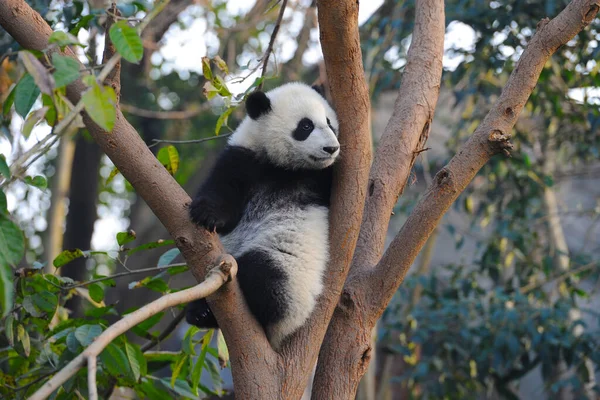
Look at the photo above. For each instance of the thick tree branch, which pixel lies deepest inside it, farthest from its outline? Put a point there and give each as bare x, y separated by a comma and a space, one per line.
169, 202
216, 278
348, 340
491, 137
338, 24
406, 131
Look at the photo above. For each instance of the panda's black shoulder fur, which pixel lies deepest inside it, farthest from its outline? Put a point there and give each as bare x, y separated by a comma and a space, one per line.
220, 202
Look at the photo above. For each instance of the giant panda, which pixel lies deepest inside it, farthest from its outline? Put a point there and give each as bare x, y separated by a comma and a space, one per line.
268, 198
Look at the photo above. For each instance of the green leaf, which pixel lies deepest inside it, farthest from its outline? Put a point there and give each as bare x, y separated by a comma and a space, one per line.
26, 93
100, 102
38, 181
72, 343
221, 86
36, 69
177, 270
67, 256
96, 292
23, 338
4, 170
151, 391
222, 349
45, 301
30, 307
66, 70
86, 334
113, 173
12, 245
197, 371
188, 344
9, 329
215, 375
177, 367
223, 119
32, 121
137, 362
155, 283
3, 204
125, 237
168, 257
127, 41
63, 39
8, 102
6, 289
83, 23
169, 157
115, 360
206, 71
221, 64
181, 387
151, 245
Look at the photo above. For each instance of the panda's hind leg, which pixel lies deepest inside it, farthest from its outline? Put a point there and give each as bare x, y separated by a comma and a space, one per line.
264, 286
198, 313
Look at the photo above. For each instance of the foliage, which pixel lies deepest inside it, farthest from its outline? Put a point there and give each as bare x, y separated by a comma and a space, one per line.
464, 338
38, 336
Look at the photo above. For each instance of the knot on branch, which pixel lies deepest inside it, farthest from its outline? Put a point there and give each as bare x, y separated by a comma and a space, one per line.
543, 22
348, 301
365, 359
500, 142
444, 180
591, 13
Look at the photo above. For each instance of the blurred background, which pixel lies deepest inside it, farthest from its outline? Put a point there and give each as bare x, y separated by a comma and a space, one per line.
503, 302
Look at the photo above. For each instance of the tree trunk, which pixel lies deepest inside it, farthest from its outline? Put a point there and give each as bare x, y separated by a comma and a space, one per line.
82, 209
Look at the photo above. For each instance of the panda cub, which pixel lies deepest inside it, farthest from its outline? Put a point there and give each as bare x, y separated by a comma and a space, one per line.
268, 198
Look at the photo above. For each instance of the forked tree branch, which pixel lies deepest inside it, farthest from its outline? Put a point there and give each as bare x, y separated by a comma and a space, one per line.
406, 131
490, 138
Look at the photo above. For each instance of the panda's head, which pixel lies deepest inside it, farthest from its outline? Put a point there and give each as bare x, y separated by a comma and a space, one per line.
292, 126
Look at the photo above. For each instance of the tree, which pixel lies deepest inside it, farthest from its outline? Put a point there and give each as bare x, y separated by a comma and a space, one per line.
362, 277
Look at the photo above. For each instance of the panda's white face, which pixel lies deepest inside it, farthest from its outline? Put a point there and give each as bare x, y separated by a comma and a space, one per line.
292, 125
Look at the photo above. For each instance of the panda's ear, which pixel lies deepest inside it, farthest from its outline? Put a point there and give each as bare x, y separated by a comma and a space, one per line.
257, 104
319, 89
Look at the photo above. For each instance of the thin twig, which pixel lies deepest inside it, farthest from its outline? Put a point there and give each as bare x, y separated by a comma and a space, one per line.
559, 278
271, 43
185, 114
214, 280
168, 330
158, 141
39, 378
121, 274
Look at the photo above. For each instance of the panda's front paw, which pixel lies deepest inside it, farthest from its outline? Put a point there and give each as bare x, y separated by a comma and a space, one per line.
207, 215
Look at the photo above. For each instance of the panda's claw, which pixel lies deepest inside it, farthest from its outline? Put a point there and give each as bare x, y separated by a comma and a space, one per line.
206, 216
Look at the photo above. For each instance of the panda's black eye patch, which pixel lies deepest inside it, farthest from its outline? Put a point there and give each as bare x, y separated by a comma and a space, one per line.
330, 126
303, 130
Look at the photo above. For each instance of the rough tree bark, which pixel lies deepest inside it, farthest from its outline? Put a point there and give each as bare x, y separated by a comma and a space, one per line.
373, 281
259, 372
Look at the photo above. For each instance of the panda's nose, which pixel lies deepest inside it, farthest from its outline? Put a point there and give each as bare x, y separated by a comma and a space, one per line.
331, 149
